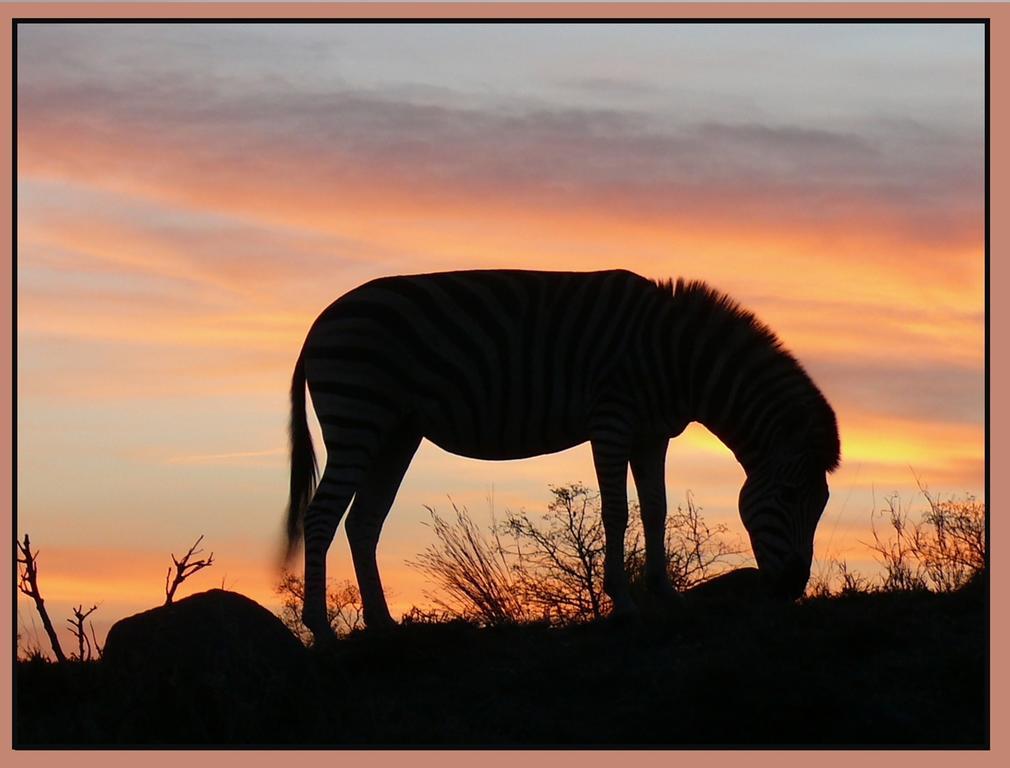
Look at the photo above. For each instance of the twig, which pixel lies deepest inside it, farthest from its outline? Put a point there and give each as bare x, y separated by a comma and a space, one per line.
77, 628
184, 569
98, 649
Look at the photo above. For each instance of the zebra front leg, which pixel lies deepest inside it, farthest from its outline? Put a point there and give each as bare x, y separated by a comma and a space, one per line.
648, 467
611, 462
364, 522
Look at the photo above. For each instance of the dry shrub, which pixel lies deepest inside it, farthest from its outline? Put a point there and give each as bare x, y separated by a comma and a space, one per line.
478, 578
940, 552
549, 567
343, 607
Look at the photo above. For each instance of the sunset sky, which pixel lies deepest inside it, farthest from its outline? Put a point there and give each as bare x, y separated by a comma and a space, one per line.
191, 196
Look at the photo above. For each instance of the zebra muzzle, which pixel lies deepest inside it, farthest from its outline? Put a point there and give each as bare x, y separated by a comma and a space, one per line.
789, 582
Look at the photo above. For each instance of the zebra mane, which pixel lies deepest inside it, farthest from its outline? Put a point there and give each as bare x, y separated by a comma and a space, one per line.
698, 295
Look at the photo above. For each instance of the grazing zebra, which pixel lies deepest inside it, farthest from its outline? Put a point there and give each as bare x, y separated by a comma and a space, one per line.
504, 364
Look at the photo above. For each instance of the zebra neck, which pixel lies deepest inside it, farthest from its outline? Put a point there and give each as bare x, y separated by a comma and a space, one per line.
729, 372
759, 413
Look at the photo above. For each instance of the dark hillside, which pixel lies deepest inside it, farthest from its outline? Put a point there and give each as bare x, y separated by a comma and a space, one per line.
862, 669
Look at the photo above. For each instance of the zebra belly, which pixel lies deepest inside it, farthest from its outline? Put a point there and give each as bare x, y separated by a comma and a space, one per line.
486, 365
499, 451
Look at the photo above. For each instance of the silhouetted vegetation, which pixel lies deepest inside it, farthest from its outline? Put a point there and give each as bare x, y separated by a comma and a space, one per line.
941, 552
476, 578
343, 607
550, 567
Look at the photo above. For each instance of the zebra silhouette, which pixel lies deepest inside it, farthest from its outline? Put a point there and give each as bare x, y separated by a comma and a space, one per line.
504, 364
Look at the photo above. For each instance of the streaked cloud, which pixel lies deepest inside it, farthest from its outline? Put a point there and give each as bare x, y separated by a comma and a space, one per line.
352, 147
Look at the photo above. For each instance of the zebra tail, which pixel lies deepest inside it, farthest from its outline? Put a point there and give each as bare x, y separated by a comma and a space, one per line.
304, 470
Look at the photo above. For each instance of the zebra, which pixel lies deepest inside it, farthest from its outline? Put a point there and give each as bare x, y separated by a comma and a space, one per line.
508, 364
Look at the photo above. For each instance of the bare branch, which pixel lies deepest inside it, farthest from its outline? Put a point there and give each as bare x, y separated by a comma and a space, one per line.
77, 628
28, 583
184, 569
98, 649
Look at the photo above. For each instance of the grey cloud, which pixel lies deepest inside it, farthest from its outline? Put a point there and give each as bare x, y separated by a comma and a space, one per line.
921, 179
611, 87
937, 393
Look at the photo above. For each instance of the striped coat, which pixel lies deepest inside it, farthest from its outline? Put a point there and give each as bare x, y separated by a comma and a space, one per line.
504, 364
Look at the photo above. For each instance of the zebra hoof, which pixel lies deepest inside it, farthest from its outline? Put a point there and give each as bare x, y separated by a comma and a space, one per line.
660, 605
662, 590
624, 613
626, 619
324, 639
380, 625
322, 632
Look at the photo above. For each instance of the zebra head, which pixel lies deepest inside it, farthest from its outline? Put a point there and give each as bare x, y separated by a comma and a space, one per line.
780, 505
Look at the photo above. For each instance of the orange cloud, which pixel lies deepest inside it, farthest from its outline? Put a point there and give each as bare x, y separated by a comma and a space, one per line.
843, 303
882, 440
238, 457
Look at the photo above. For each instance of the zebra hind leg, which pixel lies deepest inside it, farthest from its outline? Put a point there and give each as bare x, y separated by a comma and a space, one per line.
648, 465
367, 514
336, 487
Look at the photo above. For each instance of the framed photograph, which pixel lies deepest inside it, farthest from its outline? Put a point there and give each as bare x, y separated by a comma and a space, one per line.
501, 376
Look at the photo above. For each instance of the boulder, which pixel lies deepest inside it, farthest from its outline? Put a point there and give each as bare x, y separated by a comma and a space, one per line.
212, 667
742, 585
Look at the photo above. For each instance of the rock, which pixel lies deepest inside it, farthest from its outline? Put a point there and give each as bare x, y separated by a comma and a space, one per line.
212, 667
738, 586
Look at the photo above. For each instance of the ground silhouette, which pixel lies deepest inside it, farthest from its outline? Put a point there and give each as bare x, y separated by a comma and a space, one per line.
906, 668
